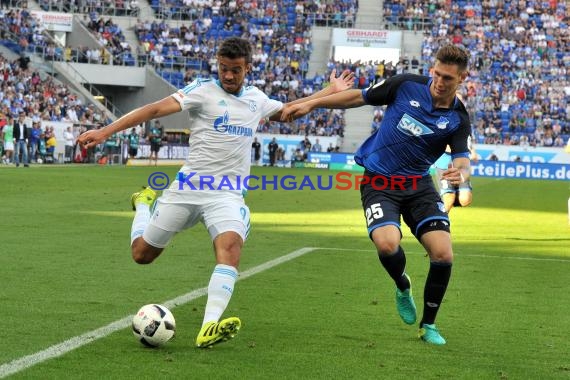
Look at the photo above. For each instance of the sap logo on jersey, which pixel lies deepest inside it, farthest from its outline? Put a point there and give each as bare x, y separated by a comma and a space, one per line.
221, 124
412, 127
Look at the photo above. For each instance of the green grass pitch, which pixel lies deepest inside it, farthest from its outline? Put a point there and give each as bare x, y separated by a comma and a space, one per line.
66, 270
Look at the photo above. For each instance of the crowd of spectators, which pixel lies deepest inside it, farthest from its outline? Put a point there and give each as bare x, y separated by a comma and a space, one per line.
281, 35
280, 62
518, 90
340, 13
337, 13
37, 99
23, 30
112, 41
27, 34
105, 7
280, 31
411, 15
23, 89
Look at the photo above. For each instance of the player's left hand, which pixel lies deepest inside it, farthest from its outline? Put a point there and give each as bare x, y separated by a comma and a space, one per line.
453, 176
345, 81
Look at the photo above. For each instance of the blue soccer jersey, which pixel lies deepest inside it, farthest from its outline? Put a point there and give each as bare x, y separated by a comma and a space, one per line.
413, 134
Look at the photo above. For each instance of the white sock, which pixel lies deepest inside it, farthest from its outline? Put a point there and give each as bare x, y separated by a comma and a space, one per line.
220, 291
141, 220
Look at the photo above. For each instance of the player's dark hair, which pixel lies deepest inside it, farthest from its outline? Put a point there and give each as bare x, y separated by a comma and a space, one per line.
235, 47
453, 55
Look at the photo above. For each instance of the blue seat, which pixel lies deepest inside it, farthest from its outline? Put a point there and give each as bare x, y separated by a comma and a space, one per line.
129, 60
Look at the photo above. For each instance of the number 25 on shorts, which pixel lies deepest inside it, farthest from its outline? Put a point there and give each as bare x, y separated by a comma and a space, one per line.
373, 212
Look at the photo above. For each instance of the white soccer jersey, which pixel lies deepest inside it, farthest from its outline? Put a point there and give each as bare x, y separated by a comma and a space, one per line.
222, 127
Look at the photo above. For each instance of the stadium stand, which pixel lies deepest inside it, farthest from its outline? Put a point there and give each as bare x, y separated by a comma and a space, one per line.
519, 83
184, 52
518, 91
282, 50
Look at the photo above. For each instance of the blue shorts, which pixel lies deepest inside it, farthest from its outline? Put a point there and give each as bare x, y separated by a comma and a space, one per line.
418, 203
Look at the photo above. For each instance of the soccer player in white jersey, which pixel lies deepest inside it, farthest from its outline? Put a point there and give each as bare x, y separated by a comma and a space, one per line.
224, 115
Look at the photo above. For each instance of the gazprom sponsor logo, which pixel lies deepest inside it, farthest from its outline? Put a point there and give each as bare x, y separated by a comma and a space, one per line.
222, 125
412, 127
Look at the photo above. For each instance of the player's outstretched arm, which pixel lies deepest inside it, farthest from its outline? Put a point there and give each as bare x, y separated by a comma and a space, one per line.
338, 84
345, 99
344, 81
137, 116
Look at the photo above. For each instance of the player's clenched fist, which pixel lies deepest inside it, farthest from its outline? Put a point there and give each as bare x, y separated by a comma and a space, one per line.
91, 138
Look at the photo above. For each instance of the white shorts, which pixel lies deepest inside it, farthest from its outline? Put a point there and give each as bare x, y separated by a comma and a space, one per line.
8, 145
224, 215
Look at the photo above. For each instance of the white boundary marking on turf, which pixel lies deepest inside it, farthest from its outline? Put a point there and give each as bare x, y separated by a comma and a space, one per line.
71, 344
459, 255
62, 348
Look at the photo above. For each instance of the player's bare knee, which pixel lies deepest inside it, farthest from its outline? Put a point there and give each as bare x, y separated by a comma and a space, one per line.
440, 253
227, 247
386, 247
465, 201
229, 255
386, 239
140, 257
143, 253
443, 256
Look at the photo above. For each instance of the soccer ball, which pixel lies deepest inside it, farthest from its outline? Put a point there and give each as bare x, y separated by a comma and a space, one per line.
154, 325
40, 161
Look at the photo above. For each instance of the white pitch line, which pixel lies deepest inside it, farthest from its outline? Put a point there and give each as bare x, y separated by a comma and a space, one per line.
458, 255
62, 348
516, 258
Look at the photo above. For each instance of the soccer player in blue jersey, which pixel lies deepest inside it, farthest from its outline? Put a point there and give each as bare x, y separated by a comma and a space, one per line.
224, 115
423, 117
